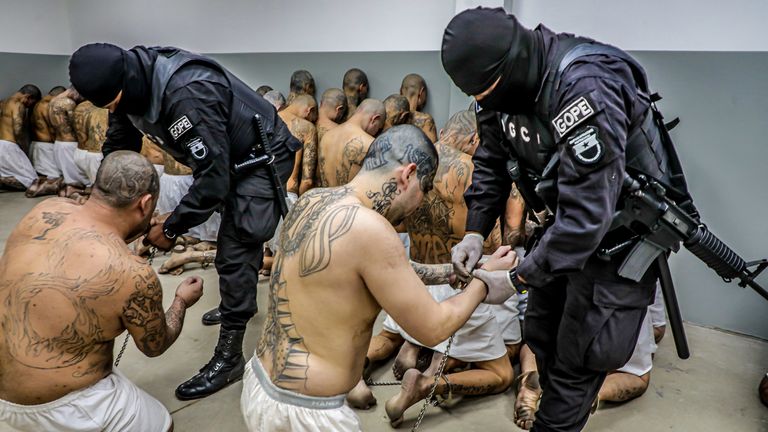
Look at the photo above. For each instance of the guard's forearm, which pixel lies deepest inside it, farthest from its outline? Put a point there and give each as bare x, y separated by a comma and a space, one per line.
433, 274
174, 320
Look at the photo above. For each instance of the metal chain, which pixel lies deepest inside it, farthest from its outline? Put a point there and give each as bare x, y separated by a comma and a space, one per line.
372, 383
431, 395
152, 252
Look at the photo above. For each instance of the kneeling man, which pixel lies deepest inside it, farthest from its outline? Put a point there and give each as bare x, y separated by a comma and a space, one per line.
338, 264
68, 287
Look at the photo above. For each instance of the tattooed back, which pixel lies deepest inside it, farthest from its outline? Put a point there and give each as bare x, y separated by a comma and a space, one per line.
41, 126
11, 119
340, 154
321, 313
61, 112
63, 284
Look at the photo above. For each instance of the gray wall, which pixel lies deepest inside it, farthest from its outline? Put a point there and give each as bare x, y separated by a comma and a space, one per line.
45, 71
722, 101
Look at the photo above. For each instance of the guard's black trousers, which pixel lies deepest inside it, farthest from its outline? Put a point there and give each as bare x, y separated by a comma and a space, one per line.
246, 223
580, 327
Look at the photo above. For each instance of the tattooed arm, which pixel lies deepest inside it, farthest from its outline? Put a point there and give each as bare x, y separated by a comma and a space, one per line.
309, 160
151, 329
433, 274
514, 219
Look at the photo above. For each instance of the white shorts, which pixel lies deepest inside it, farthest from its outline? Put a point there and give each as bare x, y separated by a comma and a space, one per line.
268, 408
15, 163
508, 317
641, 361
65, 160
406, 239
112, 404
44, 160
479, 339
31, 152
88, 163
658, 319
172, 190
160, 169
274, 242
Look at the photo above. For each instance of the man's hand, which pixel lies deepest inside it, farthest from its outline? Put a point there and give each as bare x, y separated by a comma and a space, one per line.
190, 290
160, 218
505, 258
466, 254
156, 237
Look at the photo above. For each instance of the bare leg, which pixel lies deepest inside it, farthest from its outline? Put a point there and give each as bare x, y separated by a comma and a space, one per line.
11, 183
489, 377
48, 187
658, 333
204, 246
513, 351
621, 387
383, 345
763, 390
32, 189
528, 390
406, 359
266, 265
177, 260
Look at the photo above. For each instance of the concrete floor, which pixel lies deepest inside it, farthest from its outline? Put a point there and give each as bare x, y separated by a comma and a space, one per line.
715, 390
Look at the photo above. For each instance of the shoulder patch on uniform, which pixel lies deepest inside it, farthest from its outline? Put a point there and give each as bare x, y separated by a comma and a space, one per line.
180, 126
572, 115
478, 108
586, 146
197, 148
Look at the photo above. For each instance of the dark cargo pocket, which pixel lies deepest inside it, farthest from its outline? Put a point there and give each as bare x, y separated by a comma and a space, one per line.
255, 218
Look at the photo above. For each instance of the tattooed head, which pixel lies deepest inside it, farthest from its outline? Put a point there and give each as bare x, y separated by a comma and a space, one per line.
402, 145
460, 132
124, 177
302, 82
415, 88
397, 109
275, 98
333, 104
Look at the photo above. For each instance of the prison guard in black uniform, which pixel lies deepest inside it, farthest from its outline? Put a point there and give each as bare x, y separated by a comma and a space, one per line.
202, 115
561, 127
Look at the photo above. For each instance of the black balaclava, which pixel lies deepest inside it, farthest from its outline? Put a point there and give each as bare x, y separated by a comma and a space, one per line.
96, 71
137, 83
480, 45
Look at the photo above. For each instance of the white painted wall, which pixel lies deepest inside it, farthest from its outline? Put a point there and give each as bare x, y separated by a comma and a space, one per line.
34, 26
656, 25
239, 26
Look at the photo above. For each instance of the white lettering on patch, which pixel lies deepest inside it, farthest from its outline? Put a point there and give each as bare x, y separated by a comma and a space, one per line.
575, 113
180, 126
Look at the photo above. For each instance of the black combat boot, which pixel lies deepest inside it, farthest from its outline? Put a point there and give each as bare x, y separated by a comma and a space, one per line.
226, 367
212, 317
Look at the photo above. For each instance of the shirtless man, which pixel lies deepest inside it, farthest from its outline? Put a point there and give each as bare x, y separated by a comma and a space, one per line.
88, 155
341, 262
333, 110
16, 170
41, 149
414, 88
68, 287
355, 87
61, 112
276, 99
341, 151
302, 82
435, 227
398, 111
296, 116
262, 90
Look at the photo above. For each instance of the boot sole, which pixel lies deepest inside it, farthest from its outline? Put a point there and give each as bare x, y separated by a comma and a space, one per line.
211, 322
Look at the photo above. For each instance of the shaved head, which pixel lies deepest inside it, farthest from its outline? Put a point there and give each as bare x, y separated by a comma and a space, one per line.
333, 97
302, 82
354, 77
275, 98
402, 145
57, 90
415, 89
124, 177
263, 90
304, 100
397, 109
371, 107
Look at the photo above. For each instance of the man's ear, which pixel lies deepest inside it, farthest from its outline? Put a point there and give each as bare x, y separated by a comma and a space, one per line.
146, 204
405, 176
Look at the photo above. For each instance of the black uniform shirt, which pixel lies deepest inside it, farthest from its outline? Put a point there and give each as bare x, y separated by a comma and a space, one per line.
202, 95
593, 109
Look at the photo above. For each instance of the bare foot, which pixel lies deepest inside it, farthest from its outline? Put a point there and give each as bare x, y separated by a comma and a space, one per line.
406, 359
177, 260
415, 387
361, 397
11, 183
527, 399
32, 189
763, 389
204, 246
